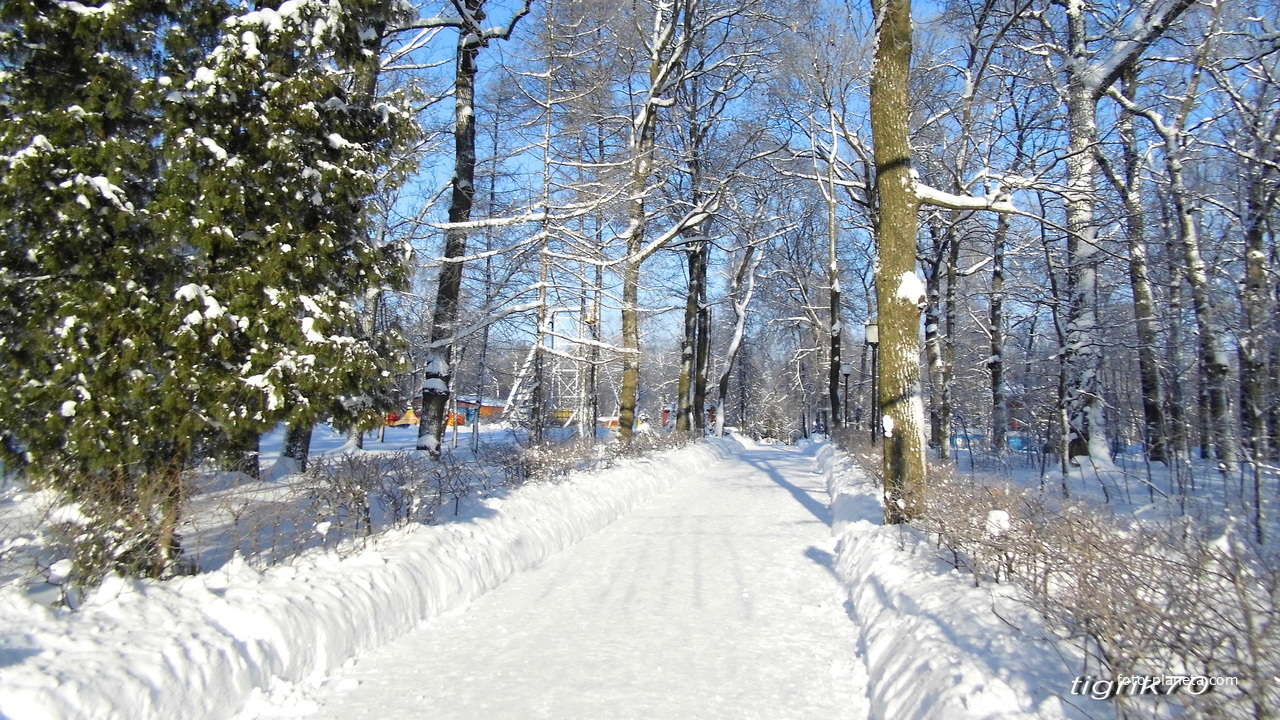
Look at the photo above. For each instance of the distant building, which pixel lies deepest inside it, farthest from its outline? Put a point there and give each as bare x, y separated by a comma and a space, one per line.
488, 408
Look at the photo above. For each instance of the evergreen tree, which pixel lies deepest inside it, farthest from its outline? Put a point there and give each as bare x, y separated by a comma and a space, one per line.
274, 151
83, 270
182, 200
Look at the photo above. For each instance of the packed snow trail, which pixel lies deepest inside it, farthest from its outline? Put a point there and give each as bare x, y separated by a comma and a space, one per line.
714, 600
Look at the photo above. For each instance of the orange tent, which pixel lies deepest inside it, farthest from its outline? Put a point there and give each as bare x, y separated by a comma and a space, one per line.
409, 418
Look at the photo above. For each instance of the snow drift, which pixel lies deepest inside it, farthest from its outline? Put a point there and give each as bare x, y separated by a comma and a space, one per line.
938, 647
202, 647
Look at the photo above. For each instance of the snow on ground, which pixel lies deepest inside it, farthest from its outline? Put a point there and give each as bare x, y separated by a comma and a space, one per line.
716, 599
204, 646
733, 593
936, 646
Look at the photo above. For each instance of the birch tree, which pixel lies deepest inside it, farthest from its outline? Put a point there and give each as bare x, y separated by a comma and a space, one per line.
1092, 63
668, 30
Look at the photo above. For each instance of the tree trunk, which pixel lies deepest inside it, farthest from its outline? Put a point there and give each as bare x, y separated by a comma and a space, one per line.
1155, 432
740, 299
538, 386
833, 282
949, 339
630, 346
1090, 72
297, 445
933, 341
688, 344
241, 454
898, 289
1255, 297
642, 154
1087, 432
995, 317
439, 371
593, 373
702, 354
1214, 366
1175, 403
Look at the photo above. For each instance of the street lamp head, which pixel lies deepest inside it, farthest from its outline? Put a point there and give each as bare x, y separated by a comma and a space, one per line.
846, 369
873, 332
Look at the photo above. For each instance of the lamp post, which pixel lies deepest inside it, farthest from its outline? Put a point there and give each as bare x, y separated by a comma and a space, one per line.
846, 369
873, 342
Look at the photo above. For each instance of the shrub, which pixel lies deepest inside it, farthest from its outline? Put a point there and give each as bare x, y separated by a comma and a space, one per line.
359, 493
1144, 599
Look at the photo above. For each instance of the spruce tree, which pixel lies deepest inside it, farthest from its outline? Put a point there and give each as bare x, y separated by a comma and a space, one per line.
273, 155
182, 197
83, 271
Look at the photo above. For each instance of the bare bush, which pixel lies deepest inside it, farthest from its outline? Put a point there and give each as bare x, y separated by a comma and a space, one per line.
546, 462
360, 493
644, 443
1144, 600
857, 444
1141, 599
117, 522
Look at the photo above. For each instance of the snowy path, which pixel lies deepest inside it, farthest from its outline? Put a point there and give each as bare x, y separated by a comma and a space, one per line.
714, 600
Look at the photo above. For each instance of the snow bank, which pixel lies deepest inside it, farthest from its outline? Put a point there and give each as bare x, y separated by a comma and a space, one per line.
936, 646
203, 647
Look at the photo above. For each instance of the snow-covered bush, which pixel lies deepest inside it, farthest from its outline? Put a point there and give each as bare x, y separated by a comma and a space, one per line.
543, 462
360, 493
857, 443
642, 443
1142, 599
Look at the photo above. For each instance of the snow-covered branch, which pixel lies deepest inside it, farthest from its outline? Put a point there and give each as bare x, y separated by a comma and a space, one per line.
932, 196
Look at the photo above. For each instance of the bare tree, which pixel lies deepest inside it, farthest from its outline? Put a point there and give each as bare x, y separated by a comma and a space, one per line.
473, 34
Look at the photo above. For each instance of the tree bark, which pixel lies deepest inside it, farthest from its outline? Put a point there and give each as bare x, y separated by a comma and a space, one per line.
702, 354
996, 321
933, 338
1129, 186
1090, 74
538, 386
740, 299
297, 445
1214, 366
1087, 428
949, 339
833, 282
439, 371
643, 128
896, 279
689, 342
1155, 432
1255, 297
630, 346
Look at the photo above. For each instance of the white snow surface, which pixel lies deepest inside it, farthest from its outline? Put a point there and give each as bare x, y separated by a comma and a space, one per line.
911, 289
730, 593
935, 646
204, 647
714, 600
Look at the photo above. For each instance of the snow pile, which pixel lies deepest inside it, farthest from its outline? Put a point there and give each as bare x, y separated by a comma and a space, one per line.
206, 646
936, 646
